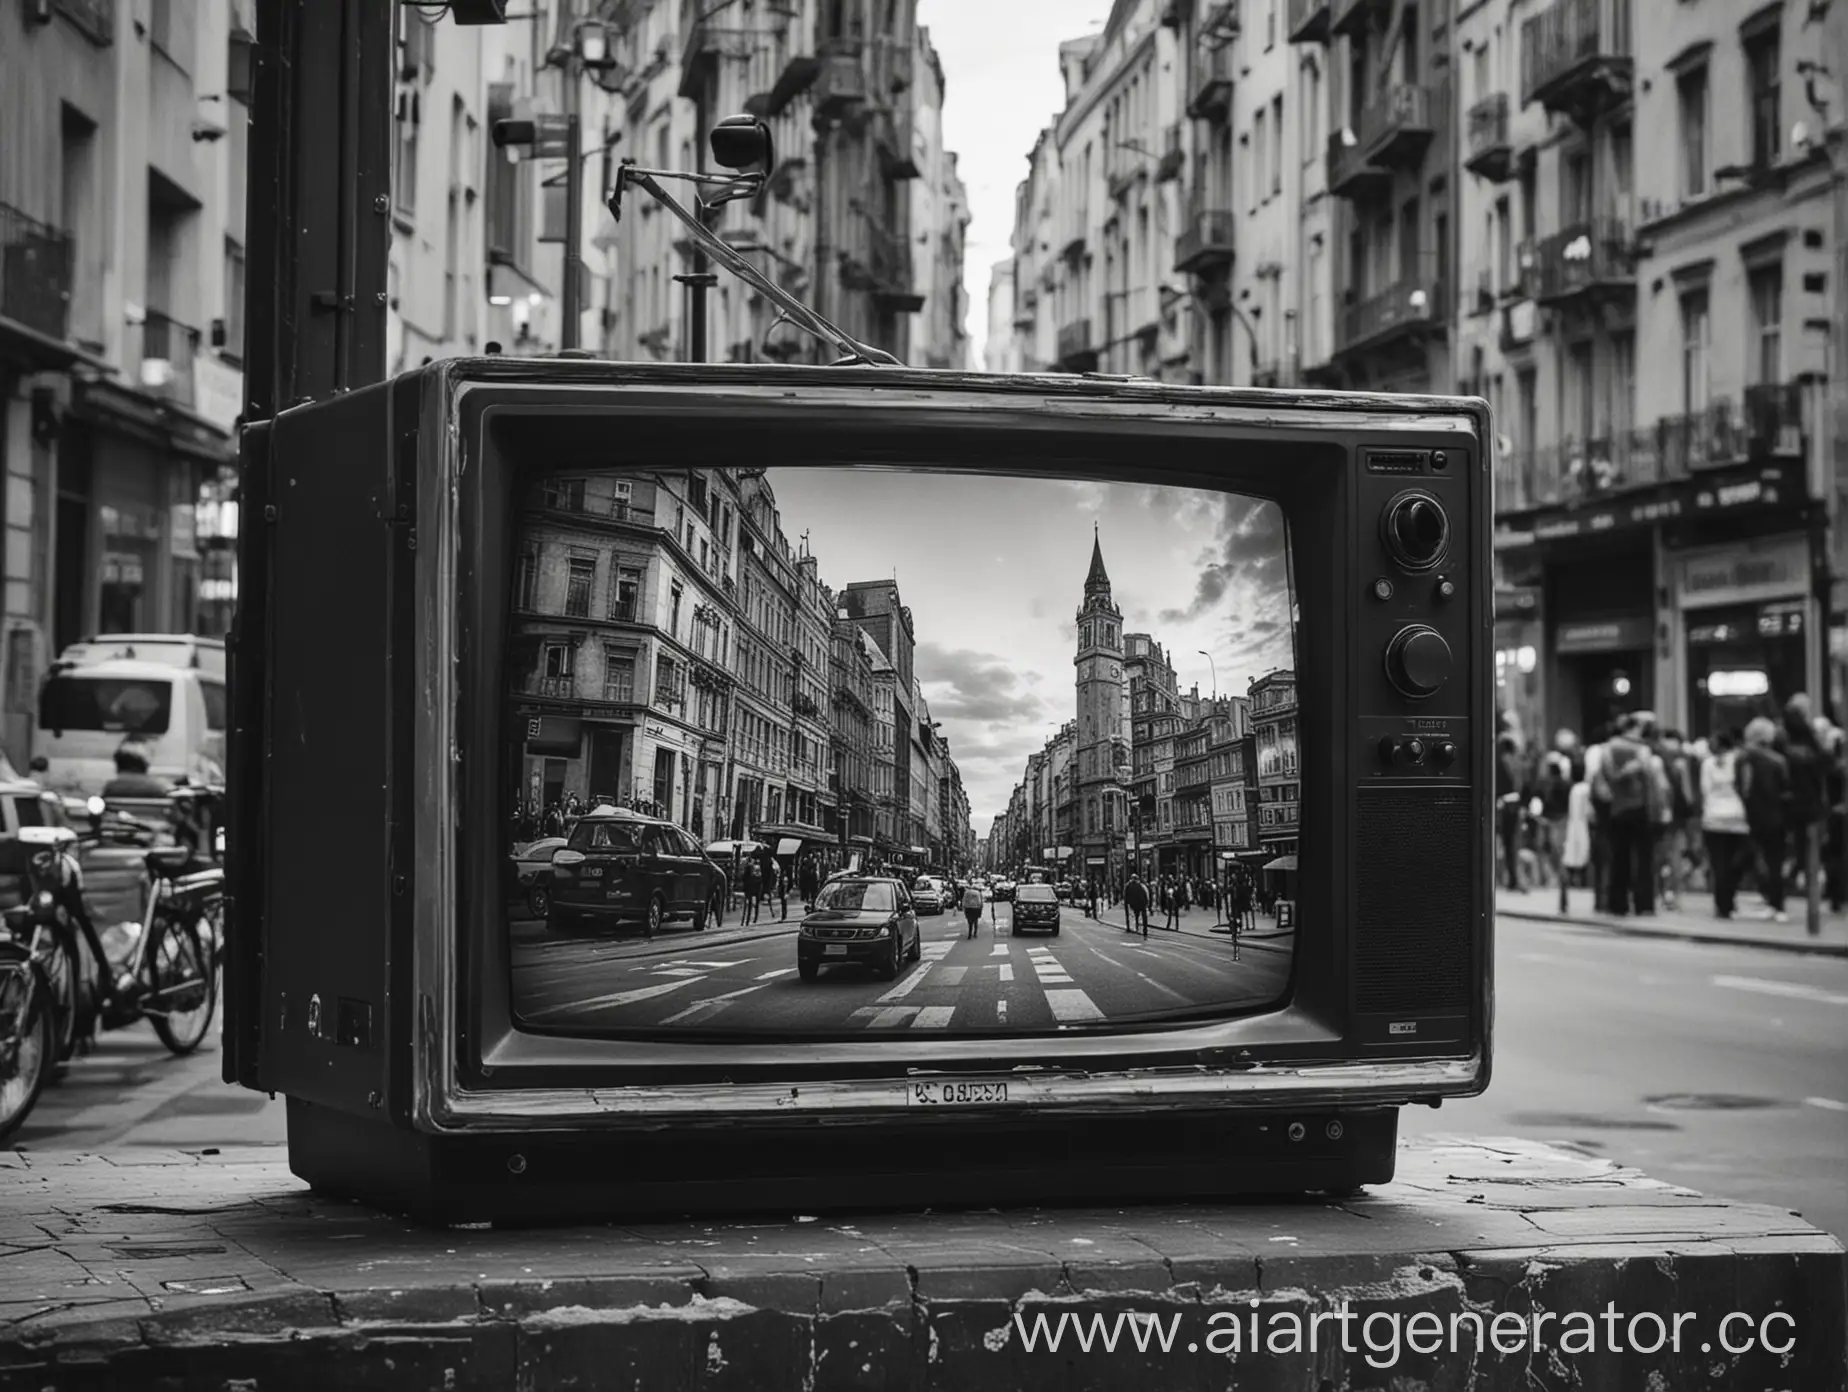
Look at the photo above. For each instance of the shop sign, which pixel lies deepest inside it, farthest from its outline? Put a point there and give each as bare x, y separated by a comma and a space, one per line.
1517, 602
1750, 490
1622, 634
1744, 574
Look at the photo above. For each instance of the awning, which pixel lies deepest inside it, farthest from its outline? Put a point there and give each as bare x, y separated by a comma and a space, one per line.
1283, 862
789, 845
1095, 860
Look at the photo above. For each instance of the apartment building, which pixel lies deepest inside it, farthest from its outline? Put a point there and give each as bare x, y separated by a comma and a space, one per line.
1004, 350
1272, 700
864, 218
1653, 171
851, 731
123, 131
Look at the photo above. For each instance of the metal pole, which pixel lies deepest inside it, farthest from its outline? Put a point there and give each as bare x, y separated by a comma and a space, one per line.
574, 215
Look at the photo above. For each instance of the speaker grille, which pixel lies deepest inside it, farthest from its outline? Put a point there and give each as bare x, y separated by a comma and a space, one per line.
1412, 953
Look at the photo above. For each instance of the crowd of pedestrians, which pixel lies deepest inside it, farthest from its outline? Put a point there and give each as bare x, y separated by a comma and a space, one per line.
1639, 815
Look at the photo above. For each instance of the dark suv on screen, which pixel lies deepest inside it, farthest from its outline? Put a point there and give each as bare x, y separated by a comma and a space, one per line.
861, 920
1036, 906
619, 866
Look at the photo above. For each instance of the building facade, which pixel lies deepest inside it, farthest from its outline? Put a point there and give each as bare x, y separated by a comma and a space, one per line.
1279, 779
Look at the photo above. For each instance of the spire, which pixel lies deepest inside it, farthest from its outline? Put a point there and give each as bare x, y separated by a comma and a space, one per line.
1099, 578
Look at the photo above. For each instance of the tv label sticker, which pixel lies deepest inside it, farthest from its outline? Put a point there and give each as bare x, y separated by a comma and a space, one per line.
1402, 1027
950, 1094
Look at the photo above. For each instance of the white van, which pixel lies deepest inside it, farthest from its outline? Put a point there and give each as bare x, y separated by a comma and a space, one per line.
170, 649
177, 712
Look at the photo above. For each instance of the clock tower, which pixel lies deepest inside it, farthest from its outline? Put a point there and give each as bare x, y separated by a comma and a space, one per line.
1102, 742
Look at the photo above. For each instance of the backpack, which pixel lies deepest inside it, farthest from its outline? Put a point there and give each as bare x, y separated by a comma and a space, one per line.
1626, 781
972, 900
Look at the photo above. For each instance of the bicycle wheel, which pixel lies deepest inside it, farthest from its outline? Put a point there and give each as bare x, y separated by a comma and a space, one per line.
27, 1046
57, 957
182, 984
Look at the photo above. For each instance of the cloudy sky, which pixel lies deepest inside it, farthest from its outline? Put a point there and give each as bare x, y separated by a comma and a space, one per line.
993, 571
1002, 87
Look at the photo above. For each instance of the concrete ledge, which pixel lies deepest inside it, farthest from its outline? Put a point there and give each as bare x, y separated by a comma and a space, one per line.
212, 1271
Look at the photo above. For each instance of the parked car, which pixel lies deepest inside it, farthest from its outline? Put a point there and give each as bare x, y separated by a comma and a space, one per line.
1004, 890
1036, 906
169, 649
929, 895
862, 920
619, 866
86, 710
533, 874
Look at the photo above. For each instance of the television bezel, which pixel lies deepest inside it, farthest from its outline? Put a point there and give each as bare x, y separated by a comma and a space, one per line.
477, 1070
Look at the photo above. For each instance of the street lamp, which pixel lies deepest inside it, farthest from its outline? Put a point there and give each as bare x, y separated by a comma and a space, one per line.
1215, 670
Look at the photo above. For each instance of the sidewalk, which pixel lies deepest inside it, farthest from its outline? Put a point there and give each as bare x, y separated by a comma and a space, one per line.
1691, 920
222, 1271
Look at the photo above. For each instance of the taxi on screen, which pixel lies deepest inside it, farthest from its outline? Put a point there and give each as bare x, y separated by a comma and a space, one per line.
619, 866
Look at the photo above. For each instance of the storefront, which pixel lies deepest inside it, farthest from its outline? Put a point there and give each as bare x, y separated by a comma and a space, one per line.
1520, 637
1747, 623
566, 755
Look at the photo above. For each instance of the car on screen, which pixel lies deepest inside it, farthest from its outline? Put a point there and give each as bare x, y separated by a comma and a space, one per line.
1036, 906
532, 870
929, 894
1004, 890
861, 920
618, 866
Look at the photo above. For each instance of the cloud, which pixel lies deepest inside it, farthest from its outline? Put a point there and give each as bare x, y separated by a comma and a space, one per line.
966, 685
1247, 557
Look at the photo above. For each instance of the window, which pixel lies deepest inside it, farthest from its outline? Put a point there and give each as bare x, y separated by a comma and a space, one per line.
1691, 100
234, 302
583, 576
670, 681
404, 180
1696, 335
526, 588
1260, 184
628, 594
1766, 348
559, 661
565, 495
619, 675
673, 613
1276, 163
1761, 67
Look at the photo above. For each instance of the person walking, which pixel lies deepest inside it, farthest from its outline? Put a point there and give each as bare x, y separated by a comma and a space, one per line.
1723, 822
778, 884
1171, 903
1600, 866
1509, 786
1136, 902
1554, 796
753, 888
811, 883
1630, 792
1763, 780
972, 908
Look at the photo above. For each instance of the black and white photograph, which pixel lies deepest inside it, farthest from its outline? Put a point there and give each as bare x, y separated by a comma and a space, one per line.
979, 694
760, 716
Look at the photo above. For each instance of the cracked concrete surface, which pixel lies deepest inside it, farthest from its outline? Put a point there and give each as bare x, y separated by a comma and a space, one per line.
178, 1270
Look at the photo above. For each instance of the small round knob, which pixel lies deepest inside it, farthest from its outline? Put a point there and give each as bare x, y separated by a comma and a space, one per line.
1417, 661
1416, 531
1412, 751
1444, 754
1389, 750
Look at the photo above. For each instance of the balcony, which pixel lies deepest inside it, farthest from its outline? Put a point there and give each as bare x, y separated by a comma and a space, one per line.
1350, 174
1209, 91
1125, 168
35, 273
842, 80
167, 351
897, 155
1077, 352
1399, 123
1209, 241
1490, 153
1576, 57
552, 688
1308, 21
889, 267
1592, 259
1409, 308
1172, 155
797, 76
95, 19
1350, 16
1774, 420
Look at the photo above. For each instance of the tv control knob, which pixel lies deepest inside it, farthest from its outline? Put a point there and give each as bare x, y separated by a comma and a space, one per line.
1416, 531
1412, 752
1417, 661
1389, 750
1443, 754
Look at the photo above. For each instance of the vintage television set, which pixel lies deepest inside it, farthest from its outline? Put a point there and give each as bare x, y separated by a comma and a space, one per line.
808, 613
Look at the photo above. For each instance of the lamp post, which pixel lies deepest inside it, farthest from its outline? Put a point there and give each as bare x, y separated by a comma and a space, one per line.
1214, 667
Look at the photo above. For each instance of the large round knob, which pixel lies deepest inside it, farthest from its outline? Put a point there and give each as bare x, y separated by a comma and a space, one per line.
1416, 530
1417, 661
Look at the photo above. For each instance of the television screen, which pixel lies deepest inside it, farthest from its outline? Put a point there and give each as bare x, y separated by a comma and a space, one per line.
826, 753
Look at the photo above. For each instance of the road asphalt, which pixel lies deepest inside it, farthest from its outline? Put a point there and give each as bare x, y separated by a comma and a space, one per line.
1092, 972
1715, 1066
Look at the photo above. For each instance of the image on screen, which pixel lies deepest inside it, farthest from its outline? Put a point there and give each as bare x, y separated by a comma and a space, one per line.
838, 752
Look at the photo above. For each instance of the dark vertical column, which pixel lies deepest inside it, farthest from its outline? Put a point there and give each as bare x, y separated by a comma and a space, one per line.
319, 234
